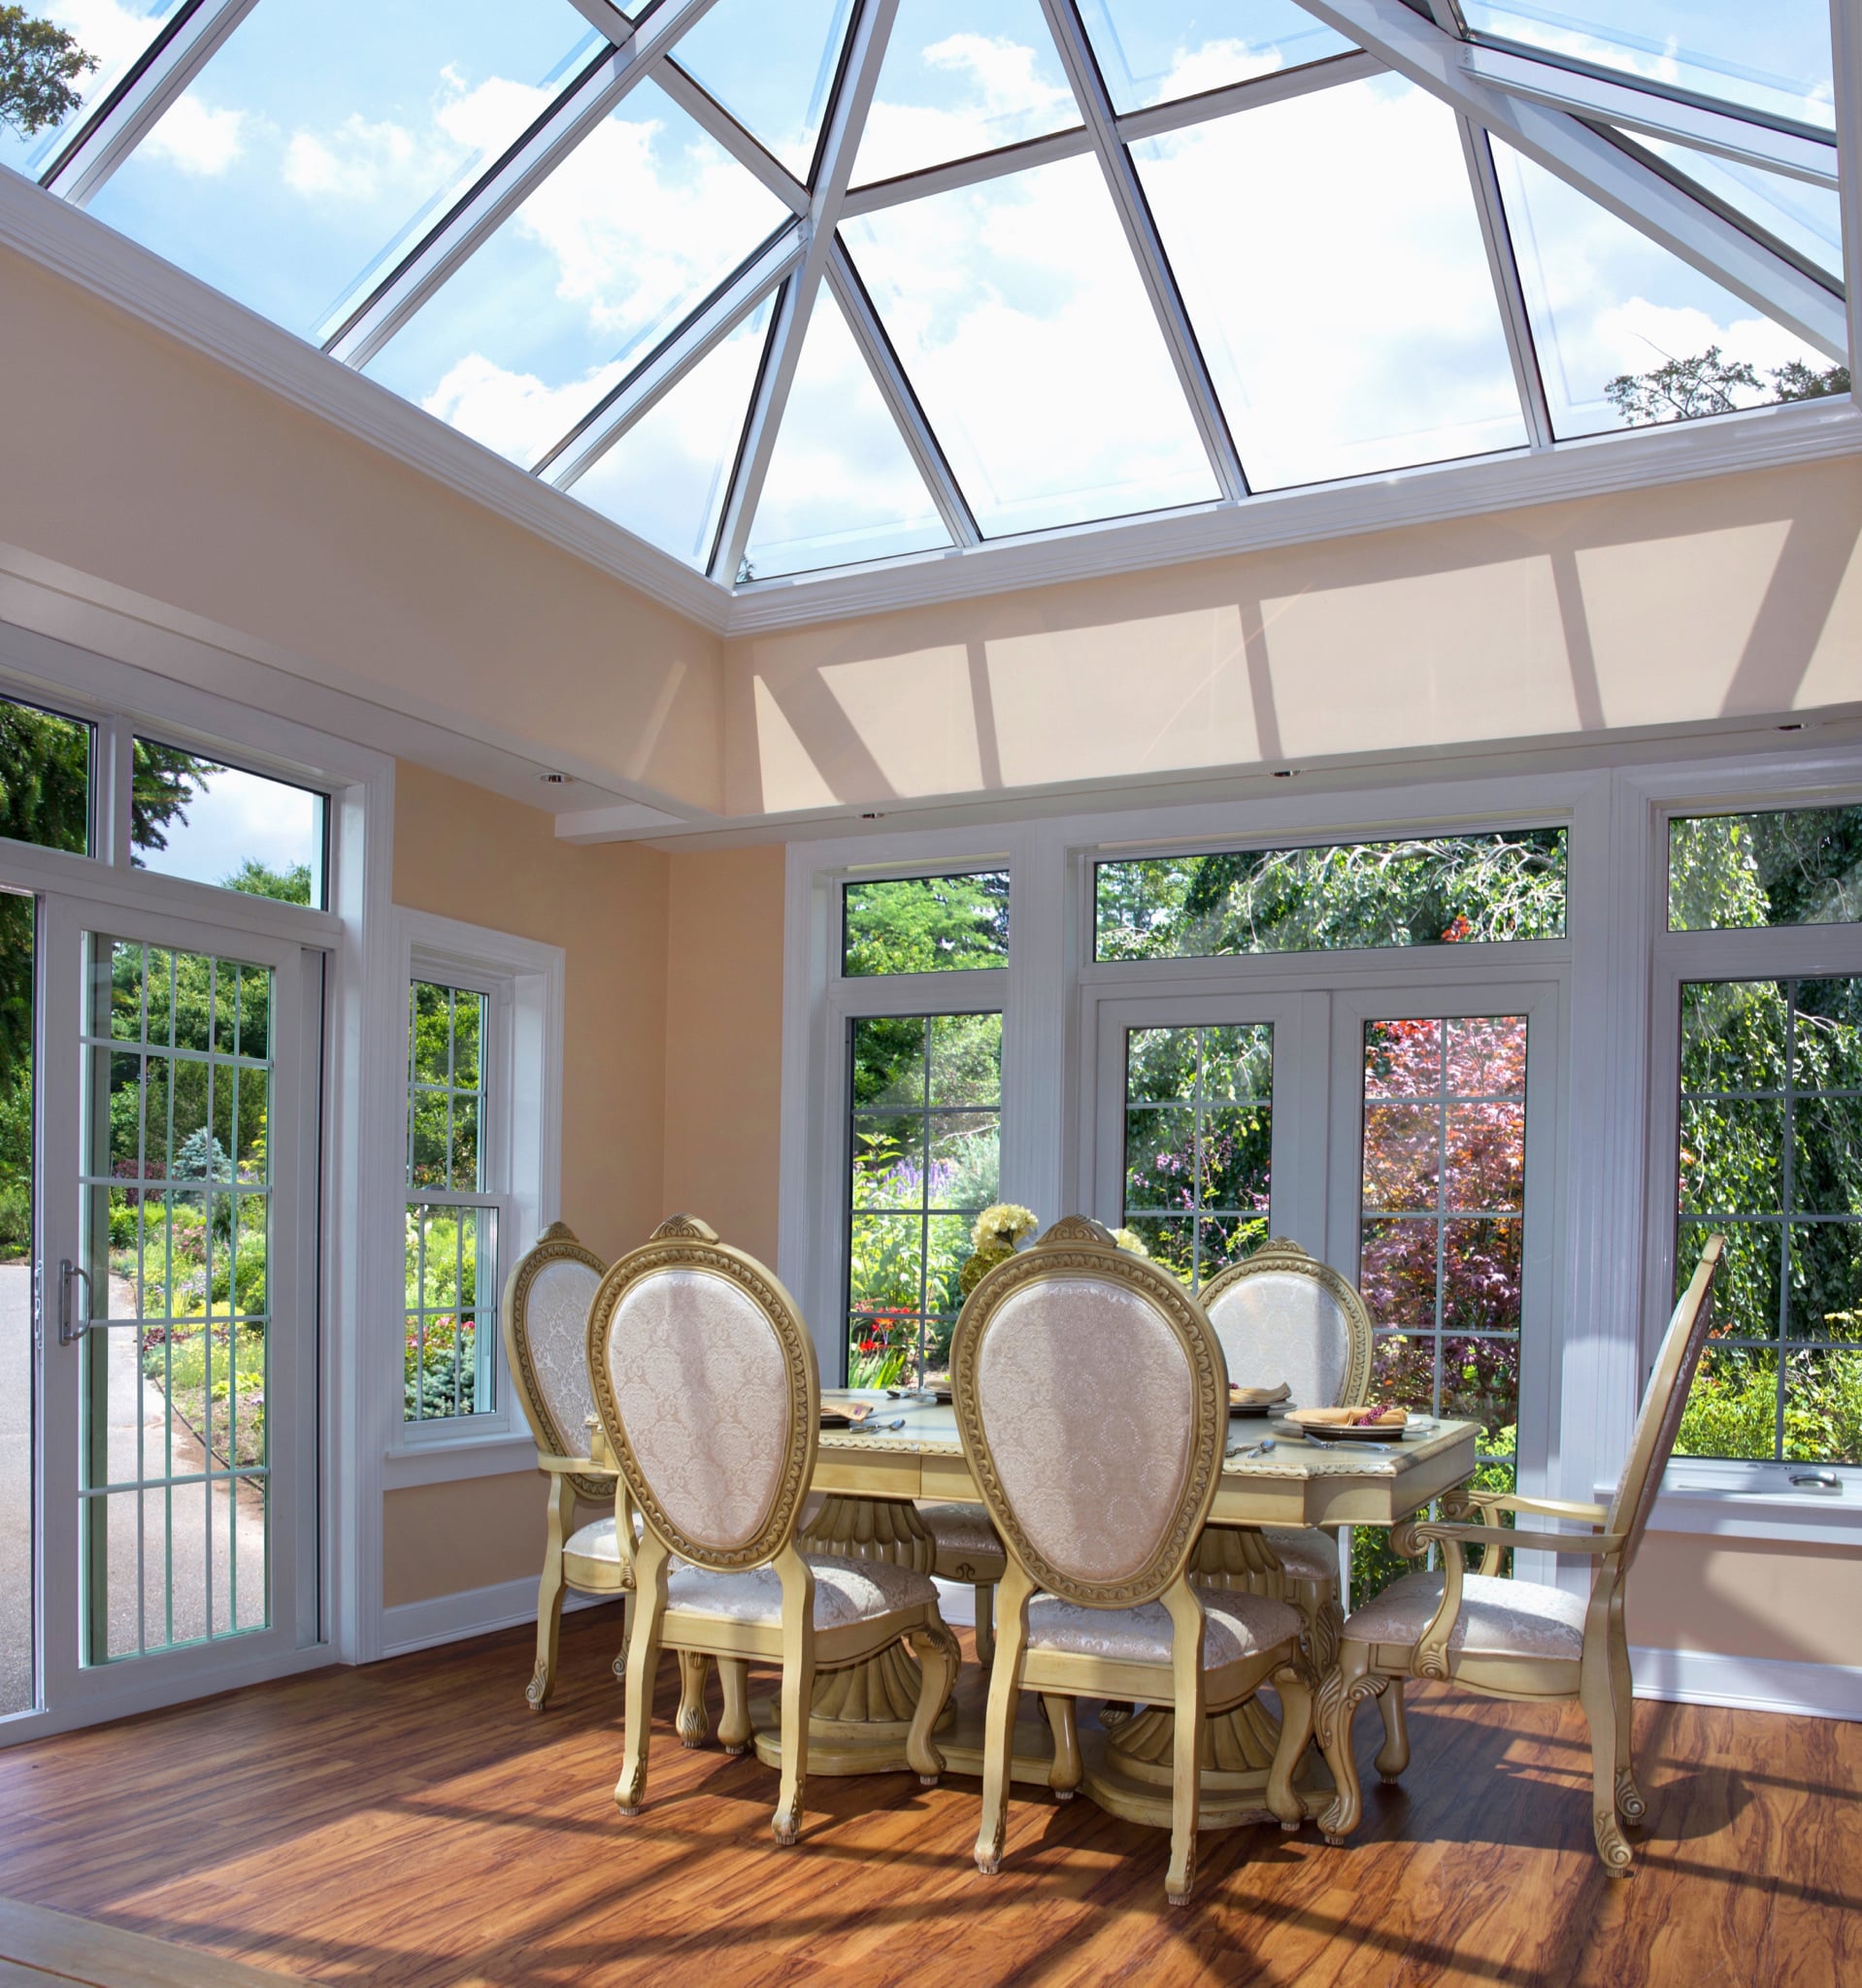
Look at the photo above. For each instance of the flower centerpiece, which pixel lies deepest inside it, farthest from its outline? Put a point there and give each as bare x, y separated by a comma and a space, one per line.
1130, 1244
998, 1230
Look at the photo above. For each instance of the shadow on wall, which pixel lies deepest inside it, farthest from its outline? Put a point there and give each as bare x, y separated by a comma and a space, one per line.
1726, 598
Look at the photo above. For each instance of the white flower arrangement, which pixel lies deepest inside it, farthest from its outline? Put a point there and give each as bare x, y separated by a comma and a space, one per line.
1003, 1226
1130, 1244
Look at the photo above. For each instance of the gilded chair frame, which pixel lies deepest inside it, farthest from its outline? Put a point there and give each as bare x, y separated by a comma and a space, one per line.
1077, 1247
1599, 1679
686, 1243
1283, 1254
572, 1461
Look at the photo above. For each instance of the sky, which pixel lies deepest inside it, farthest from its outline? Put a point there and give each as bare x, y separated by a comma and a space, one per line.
240, 815
1327, 247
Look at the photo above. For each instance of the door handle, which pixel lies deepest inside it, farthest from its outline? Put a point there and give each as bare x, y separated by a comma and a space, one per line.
71, 1330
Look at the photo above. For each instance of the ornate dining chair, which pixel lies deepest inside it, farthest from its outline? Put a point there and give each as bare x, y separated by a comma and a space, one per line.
545, 1322
1282, 1315
706, 1385
1093, 1401
966, 1548
1509, 1638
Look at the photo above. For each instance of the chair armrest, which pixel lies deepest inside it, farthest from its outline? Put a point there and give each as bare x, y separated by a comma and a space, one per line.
1540, 1507
572, 1466
1447, 1532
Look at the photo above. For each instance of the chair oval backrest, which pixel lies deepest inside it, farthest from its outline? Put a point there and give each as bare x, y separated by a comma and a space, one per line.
1092, 1403
544, 1319
1282, 1315
705, 1381
1664, 1401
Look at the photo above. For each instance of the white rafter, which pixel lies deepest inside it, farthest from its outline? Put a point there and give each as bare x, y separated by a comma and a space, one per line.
133, 109
675, 355
888, 376
511, 181
1140, 233
846, 118
1602, 102
1845, 35
1604, 172
705, 110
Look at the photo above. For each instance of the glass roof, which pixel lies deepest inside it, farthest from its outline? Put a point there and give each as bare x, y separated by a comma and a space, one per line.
786, 289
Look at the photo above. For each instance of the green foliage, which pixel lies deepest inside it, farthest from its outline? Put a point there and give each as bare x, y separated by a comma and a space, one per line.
39, 66
1711, 384
925, 924
290, 887
1798, 866
1430, 891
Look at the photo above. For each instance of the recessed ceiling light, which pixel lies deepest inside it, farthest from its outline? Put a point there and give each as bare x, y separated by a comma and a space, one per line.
553, 779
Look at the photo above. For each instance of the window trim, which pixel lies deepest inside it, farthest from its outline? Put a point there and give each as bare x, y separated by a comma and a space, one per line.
526, 982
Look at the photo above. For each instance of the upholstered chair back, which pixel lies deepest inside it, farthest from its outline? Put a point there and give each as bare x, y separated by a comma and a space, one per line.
1664, 1400
1093, 1402
544, 1319
706, 1383
1282, 1315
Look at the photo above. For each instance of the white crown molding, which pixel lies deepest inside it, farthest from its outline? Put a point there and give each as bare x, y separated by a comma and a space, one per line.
58, 237
72, 245
1760, 437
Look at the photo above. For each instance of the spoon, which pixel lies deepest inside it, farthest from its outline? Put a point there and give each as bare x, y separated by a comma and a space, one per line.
870, 1427
1264, 1447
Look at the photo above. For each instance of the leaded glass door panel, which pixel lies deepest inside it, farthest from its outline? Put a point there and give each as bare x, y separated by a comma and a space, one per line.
178, 1306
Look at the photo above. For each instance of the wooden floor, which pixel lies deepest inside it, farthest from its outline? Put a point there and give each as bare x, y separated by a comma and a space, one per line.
416, 1823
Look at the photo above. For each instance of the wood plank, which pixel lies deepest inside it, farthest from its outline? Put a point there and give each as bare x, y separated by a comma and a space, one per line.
43, 1946
415, 1823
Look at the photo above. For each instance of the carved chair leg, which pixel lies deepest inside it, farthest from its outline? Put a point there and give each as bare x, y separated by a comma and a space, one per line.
985, 1623
1067, 1768
627, 1612
1630, 1803
550, 1590
1393, 1756
693, 1724
798, 1691
939, 1656
643, 1662
734, 1730
1338, 1697
1293, 1682
1598, 1697
999, 1718
1185, 1777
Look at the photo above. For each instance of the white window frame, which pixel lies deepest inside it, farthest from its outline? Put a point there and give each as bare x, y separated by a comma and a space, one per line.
522, 1141
1610, 1271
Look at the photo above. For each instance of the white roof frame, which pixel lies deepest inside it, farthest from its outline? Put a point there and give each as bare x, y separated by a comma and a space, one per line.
1559, 113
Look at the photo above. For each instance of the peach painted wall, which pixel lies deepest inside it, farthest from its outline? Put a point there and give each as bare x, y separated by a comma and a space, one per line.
1735, 596
1798, 1604
186, 483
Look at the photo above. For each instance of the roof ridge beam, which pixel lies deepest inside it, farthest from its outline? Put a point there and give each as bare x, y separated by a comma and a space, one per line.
1598, 100
1147, 247
1604, 172
173, 58
500, 190
865, 51
700, 332
901, 402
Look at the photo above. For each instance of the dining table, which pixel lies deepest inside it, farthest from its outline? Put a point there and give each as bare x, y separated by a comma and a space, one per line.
908, 1452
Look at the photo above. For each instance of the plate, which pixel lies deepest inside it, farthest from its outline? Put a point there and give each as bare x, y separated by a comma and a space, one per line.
1238, 1410
1351, 1432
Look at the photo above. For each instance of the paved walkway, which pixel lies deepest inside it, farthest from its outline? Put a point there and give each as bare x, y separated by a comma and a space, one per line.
176, 1555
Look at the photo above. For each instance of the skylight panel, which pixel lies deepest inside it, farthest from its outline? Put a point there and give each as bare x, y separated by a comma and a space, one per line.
1153, 52
962, 76
1329, 253
1774, 58
114, 33
841, 484
1806, 218
1608, 304
327, 134
773, 73
665, 478
1019, 316
642, 219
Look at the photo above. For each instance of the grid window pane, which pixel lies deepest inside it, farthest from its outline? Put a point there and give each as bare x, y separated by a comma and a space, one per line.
923, 1141
452, 1242
1770, 1155
1199, 1144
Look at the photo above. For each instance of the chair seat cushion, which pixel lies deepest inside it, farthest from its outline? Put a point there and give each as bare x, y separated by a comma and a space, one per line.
1499, 1618
845, 1592
961, 1531
1236, 1626
1305, 1552
595, 1541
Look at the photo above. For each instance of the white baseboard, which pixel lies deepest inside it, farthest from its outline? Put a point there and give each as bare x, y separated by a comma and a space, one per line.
957, 1602
473, 1611
1753, 1684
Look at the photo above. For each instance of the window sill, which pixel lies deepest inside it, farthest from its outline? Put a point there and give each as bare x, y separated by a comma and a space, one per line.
451, 1459
1753, 1505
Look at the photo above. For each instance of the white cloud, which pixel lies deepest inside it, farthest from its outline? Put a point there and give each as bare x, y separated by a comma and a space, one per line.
197, 137
517, 413
995, 90
1213, 64
352, 163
